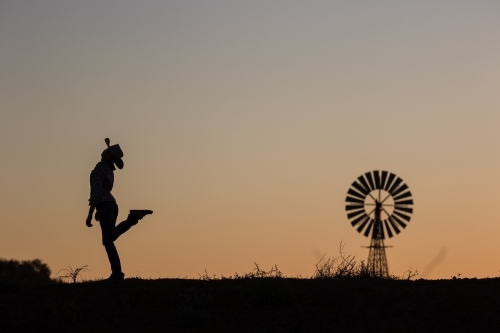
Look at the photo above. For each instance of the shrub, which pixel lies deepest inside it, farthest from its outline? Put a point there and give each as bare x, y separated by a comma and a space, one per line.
346, 267
24, 271
341, 267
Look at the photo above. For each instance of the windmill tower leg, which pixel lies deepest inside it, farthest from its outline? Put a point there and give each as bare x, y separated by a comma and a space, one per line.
377, 260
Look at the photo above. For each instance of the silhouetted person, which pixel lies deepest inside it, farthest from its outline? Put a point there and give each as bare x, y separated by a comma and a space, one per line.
101, 184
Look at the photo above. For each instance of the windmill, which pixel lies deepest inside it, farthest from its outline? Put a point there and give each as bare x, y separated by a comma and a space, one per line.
379, 204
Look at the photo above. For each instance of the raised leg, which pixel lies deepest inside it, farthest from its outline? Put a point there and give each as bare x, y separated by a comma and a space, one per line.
124, 226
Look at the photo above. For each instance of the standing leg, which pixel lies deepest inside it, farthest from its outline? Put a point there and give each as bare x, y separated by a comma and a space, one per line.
114, 260
108, 212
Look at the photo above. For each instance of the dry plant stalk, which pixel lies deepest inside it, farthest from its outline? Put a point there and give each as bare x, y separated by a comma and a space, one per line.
71, 274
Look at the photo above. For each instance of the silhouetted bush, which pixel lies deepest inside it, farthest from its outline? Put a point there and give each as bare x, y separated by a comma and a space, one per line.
24, 271
346, 267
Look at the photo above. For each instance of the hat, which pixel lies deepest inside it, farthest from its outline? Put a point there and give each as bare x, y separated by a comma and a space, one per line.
117, 153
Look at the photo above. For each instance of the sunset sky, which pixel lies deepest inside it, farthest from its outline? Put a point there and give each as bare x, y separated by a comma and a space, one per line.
243, 125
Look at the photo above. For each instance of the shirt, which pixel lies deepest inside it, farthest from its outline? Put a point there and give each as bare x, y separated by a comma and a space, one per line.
101, 184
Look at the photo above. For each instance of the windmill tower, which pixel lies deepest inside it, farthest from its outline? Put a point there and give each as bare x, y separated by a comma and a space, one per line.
379, 203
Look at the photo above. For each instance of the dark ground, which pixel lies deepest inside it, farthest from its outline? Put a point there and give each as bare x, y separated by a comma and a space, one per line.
253, 305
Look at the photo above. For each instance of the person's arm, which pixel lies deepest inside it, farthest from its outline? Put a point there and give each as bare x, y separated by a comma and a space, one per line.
95, 193
88, 222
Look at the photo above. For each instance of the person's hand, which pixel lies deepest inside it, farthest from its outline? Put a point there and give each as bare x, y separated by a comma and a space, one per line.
89, 221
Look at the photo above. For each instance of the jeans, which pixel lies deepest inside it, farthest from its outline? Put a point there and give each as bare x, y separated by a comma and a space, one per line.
108, 213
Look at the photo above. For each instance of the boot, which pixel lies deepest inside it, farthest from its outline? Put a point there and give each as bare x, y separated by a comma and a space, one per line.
139, 213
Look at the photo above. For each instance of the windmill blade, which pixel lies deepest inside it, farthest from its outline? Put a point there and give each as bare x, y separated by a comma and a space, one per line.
356, 194
361, 227
382, 181
376, 176
401, 223
396, 229
364, 183
404, 209
402, 196
351, 199
360, 188
395, 185
368, 176
403, 216
404, 202
402, 188
354, 214
352, 207
357, 209
367, 231
389, 182
359, 219
389, 232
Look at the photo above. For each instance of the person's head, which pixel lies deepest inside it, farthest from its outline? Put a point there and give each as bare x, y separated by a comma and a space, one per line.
113, 155
107, 156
